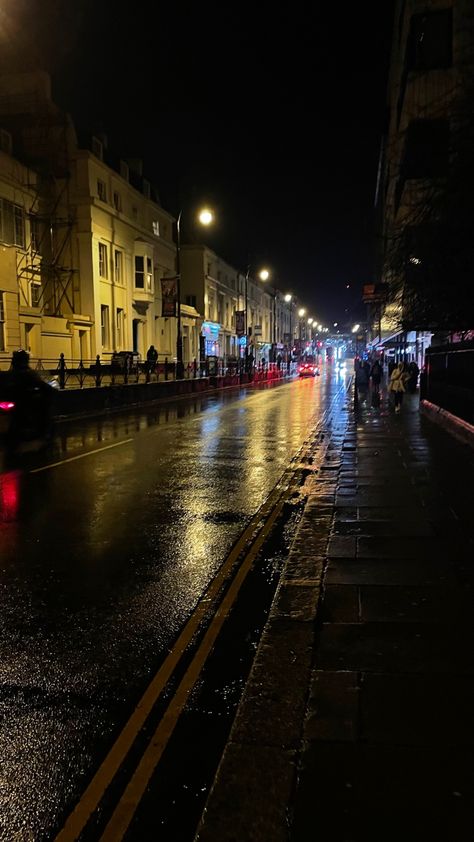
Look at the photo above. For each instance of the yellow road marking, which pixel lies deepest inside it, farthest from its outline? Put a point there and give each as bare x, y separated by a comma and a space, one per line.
114, 759
124, 812
93, 794
80, 456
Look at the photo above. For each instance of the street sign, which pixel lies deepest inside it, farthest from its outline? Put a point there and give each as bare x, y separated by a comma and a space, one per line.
240, 322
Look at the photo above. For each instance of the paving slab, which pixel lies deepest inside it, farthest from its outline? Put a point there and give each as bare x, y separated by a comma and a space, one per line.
356, 724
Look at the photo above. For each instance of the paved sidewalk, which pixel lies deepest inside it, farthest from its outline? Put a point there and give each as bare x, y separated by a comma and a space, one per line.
357, 722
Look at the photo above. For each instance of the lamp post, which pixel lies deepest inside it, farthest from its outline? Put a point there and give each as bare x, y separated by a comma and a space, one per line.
289, 300
205, 217
301, 314
264, 275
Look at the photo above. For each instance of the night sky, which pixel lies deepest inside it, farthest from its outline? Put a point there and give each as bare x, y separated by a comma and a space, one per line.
273, 117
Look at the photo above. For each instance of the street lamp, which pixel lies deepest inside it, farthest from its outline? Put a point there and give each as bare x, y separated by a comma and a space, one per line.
301, 313
205, 217
264, 275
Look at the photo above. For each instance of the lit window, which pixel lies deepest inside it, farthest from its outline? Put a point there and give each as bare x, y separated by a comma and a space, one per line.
103, 260
156, 228
149, 273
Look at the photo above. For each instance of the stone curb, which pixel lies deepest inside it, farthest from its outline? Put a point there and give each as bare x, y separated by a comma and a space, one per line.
462, 430
251, 794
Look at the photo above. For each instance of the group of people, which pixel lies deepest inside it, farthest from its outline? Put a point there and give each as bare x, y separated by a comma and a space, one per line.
403, 377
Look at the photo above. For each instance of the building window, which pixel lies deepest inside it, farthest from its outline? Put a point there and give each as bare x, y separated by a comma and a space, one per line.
135, 212
149, 273
430, 42
35, 295
124, 170
101, 190
117, 201
2, 322
139, 272
98, 148
146, 188
12, 224
104, 324
426, 149
103, 261
191, 301
156, 228
35, 234
118, 267
119, 327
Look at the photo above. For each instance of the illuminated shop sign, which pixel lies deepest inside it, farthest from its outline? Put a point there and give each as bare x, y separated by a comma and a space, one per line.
210, 330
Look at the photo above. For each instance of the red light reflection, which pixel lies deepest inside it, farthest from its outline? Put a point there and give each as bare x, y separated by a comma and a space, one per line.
9, 496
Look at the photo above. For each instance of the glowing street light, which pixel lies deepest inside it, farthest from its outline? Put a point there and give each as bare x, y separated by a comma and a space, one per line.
264, 275
205, 217
320, 327
288, 297
355, 328
301, 312
310, 321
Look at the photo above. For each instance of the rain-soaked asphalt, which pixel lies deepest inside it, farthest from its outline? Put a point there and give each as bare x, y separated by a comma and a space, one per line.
102, 560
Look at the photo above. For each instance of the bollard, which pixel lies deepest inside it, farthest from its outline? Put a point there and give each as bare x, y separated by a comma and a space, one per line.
356, 397
62, 372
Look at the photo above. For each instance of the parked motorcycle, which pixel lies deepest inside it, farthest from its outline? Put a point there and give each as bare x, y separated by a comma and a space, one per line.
25, 407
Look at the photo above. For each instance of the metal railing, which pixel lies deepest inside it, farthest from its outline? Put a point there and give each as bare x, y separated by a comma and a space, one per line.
64, 373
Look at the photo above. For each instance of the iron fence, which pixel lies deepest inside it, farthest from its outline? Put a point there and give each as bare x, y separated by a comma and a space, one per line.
64, 373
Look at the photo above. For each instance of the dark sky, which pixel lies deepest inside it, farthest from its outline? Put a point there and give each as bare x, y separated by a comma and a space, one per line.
273, 117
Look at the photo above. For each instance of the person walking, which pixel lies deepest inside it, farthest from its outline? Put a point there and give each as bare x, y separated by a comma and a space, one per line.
151, 358
376, 375
398, 384
413, 372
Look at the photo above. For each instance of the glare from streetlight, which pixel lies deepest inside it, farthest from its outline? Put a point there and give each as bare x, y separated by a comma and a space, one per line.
320, 327
335, 324
310, 321
301, 312
264, 275
355, 328
288, 297
206, 217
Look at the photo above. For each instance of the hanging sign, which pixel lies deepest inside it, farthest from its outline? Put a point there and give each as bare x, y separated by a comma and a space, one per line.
240, 322
169, 296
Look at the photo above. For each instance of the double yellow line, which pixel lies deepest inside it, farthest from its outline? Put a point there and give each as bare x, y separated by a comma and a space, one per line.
249, 544
255, 534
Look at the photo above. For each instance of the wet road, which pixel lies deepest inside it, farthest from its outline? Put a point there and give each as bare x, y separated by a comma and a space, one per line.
106, 545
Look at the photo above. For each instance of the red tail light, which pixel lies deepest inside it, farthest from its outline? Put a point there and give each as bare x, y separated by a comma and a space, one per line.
7, 405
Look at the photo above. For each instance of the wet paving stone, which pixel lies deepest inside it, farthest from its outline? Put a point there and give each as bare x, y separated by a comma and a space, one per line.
388, 572
396, 648
376, 793
415, 604
401, 709
340, 604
